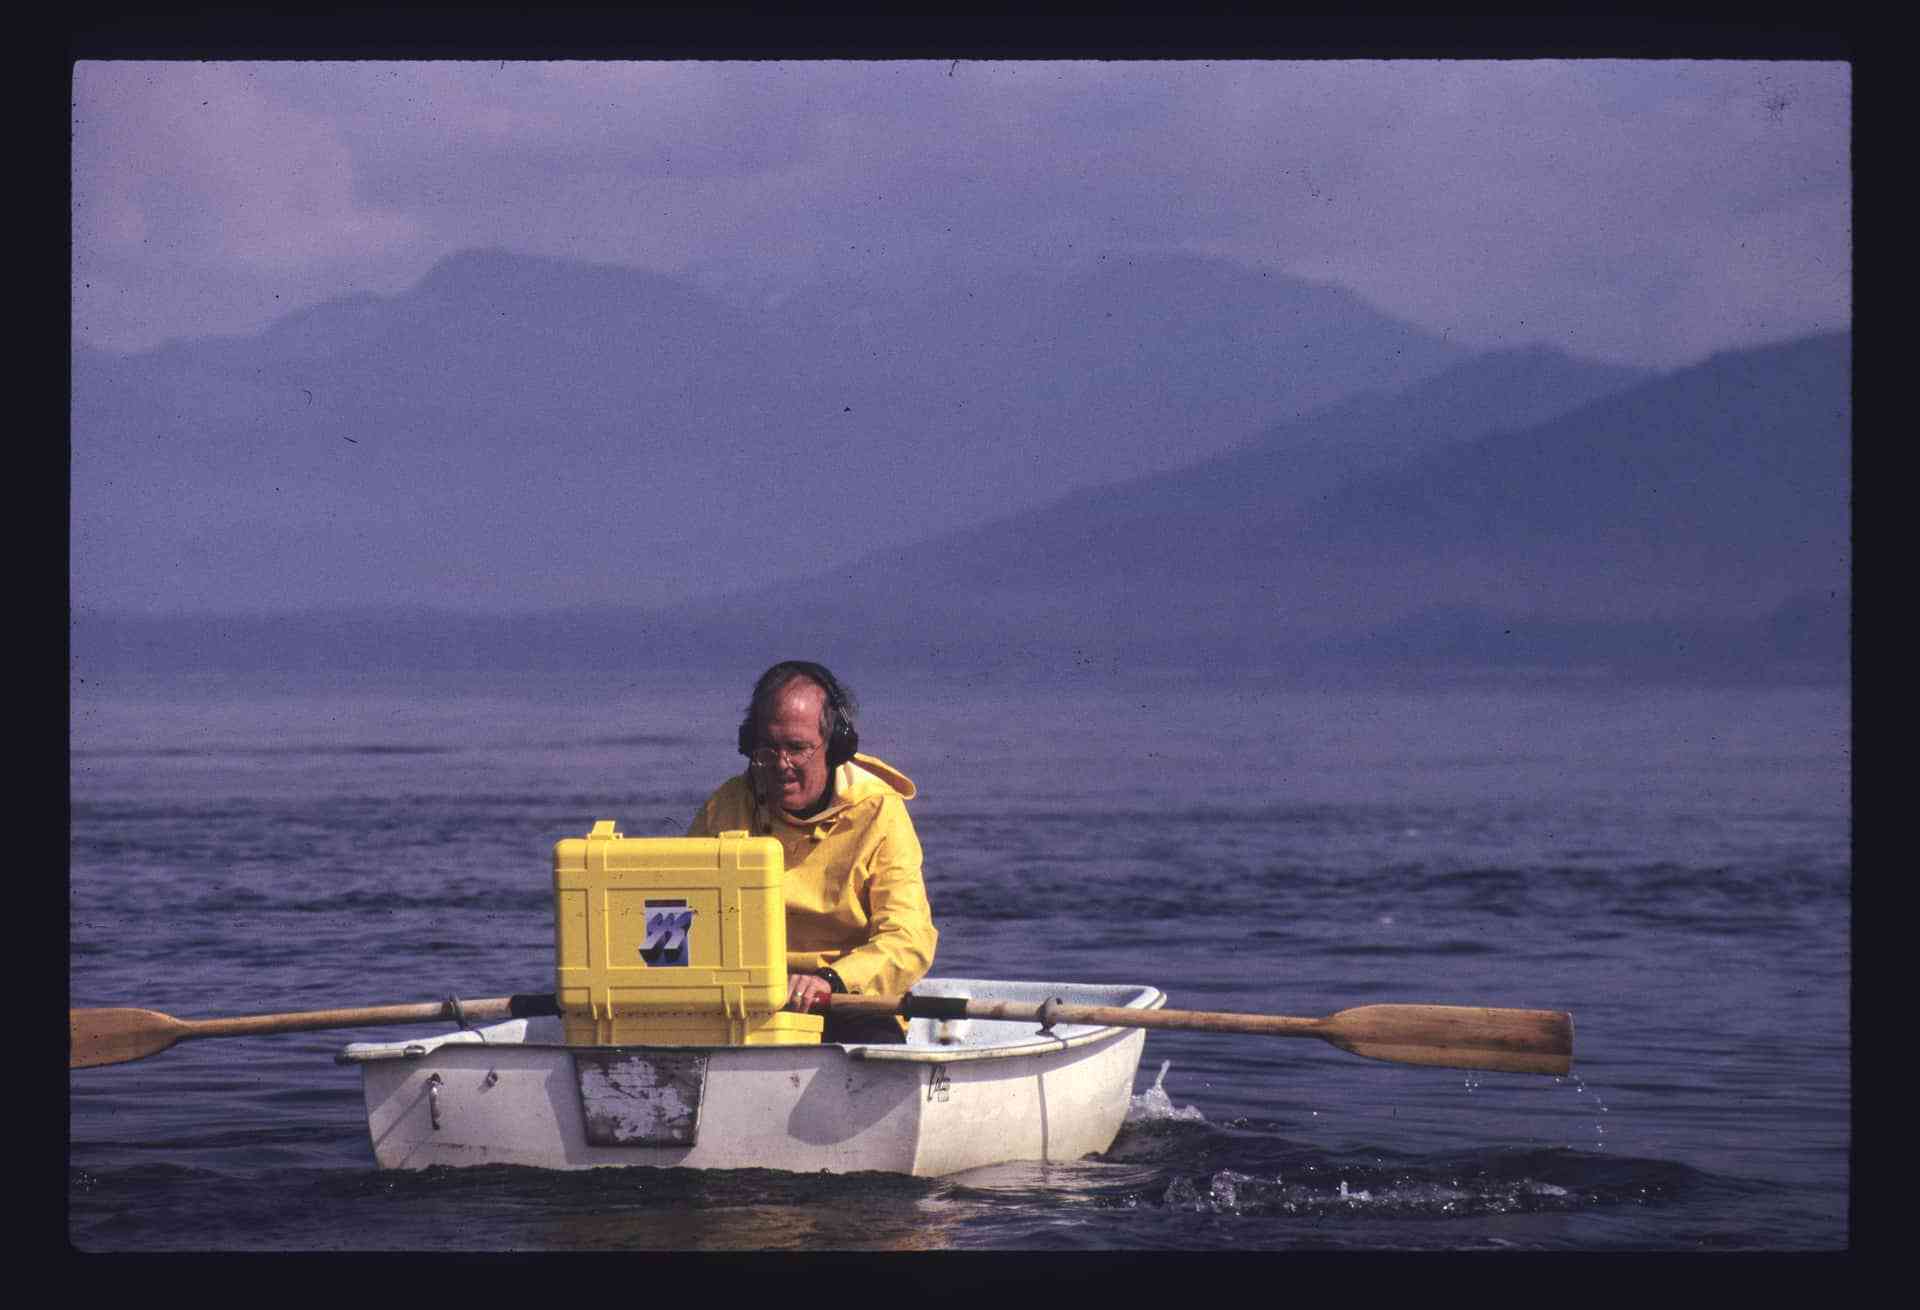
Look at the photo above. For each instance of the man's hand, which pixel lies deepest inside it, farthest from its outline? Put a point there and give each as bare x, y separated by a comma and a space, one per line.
807, 993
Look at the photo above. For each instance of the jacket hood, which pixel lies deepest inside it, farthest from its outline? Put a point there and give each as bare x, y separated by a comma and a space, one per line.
863, 774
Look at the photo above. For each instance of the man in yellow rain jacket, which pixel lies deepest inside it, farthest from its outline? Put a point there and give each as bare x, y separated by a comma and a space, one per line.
857, 912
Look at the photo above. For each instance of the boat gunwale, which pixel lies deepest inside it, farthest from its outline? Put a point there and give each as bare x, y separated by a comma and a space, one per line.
1146, 997
1073, 1035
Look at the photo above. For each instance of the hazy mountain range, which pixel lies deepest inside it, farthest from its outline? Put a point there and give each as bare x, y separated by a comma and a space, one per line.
518, 433
1174, 462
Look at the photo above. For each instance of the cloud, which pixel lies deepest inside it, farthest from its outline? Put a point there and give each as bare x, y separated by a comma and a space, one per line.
203, 202
1592, 204
1636, 210
206, 161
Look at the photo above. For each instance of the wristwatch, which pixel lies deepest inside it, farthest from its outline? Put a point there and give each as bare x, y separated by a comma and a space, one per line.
833, 981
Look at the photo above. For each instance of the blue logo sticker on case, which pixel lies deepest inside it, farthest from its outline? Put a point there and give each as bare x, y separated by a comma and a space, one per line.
669, 924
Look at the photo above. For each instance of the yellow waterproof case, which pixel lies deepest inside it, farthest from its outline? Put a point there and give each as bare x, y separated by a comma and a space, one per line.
672, 941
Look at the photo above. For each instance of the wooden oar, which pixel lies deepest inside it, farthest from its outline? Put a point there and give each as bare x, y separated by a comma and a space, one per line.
1451, 1036
98, 1037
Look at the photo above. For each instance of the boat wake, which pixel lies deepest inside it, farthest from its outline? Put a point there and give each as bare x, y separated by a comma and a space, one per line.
1227, 1192
1232, 1170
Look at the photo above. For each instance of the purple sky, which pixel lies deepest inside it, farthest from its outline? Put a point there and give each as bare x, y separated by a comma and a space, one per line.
1639, 212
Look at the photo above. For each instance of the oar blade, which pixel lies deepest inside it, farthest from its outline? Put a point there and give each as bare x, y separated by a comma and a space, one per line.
117, 1036
1457, 1037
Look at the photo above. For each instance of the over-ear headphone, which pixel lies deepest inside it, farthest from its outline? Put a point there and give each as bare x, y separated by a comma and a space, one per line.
842, 738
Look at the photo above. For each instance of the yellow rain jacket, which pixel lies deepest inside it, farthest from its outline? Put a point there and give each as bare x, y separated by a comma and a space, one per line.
856, 902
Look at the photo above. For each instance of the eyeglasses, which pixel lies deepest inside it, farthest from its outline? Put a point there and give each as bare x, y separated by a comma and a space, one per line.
768, 757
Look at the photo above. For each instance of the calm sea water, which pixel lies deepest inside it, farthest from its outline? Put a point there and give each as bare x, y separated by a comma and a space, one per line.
1672, 865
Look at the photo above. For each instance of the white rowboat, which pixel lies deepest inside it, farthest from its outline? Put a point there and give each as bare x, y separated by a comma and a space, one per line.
957, 1095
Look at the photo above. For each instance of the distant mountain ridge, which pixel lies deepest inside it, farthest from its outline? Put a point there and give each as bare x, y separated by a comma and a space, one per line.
1692, 521
1291, 465
520, 433
1770, 425
1514, 514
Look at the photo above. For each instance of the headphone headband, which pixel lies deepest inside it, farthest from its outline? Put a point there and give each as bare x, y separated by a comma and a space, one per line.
842, 738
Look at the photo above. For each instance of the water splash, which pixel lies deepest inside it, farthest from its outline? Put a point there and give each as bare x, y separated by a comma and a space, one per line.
1599, 1127
1224, 1192
1154, 1103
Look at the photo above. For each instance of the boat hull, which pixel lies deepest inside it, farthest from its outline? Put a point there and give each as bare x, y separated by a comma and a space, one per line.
515, 1094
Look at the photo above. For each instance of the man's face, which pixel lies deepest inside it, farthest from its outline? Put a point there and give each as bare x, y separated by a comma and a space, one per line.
793, 728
